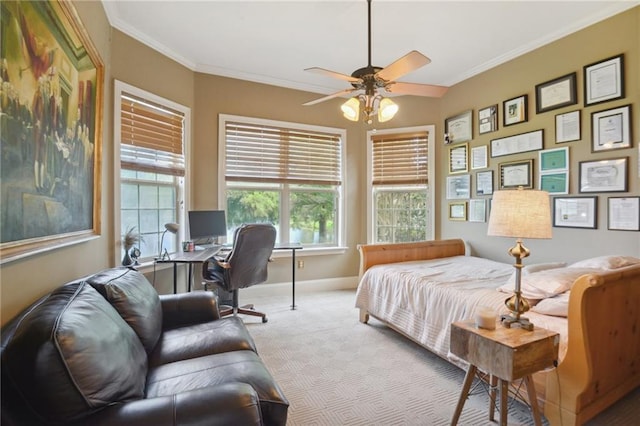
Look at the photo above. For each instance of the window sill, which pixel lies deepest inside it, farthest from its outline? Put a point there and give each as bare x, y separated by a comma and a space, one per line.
315, 251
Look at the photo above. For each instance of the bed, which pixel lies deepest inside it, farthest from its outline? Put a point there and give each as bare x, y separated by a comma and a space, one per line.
419, 289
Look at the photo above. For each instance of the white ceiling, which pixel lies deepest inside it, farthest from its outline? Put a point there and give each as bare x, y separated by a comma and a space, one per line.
273, 42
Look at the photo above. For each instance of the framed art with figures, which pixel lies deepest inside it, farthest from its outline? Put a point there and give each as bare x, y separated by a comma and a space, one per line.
51, 100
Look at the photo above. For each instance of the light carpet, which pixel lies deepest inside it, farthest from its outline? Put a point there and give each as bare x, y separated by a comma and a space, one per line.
337, 371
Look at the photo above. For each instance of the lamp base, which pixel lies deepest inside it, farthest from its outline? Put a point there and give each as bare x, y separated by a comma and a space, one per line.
508, 320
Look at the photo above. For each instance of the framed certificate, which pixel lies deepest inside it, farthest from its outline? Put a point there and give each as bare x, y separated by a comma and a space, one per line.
604, 80
623, 213
568, 127
458, 159
479, 157
458, 187
478, 210
556, 93
488, 119
459, 128
484, 183
575, 212
604, 175
516, 174
458, 210
611, 129
553, 159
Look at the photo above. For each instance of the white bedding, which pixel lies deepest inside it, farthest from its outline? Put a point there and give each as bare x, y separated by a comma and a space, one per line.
422, 298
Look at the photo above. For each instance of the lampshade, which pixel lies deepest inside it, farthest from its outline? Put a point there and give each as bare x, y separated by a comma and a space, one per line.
351, 109
520, 214
172, 227
386, 110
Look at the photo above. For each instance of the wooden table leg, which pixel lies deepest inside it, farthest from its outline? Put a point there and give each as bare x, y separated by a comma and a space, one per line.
504, 393
468, 380
493, 384
533, 400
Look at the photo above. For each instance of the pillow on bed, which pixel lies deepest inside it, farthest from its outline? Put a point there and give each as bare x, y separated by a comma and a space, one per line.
606, 262
557, 306
536, 267
548, 283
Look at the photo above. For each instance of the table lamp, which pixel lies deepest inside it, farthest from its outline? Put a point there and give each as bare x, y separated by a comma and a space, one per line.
519, 214
173, 228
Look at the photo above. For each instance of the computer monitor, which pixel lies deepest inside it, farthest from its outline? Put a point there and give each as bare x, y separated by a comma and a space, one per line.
206, 225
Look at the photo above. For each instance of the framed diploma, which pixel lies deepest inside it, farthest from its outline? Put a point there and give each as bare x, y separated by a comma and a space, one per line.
524, 142
604, 80
515, 110
484, 183
459, 128
516, 174
458, 210
458, 187
604, 175
623, 213
555, 182
568, 127
554, 159
488, 119
479, 157
611, 129
477, 210
556, 93
458, 159
575, 212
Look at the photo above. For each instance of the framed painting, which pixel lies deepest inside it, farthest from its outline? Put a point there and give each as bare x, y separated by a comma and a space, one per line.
51, 148
515, 110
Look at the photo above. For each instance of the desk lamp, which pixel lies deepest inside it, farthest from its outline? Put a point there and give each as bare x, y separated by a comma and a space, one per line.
173, 228
519, 214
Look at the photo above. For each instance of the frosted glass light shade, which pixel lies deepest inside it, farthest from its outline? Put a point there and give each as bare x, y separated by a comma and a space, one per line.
351, 109
386, 110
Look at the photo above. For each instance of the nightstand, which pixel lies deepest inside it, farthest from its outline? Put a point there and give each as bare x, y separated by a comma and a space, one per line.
506, 354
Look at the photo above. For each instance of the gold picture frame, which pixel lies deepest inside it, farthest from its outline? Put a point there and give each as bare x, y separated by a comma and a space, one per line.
458, 210
52, 147
459, 159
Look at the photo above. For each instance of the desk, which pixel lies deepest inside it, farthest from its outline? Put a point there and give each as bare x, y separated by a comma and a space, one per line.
190, 258
506, 354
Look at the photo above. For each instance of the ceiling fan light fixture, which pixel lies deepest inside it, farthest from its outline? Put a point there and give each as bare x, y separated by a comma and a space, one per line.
351, 109
386, 110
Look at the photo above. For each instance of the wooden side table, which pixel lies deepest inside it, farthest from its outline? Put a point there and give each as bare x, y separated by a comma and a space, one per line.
506, 354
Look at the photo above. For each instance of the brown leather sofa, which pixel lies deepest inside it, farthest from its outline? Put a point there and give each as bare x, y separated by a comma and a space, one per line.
107, 350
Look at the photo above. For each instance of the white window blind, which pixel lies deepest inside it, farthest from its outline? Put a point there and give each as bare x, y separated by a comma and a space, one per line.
400, 159
261, 153
151, 137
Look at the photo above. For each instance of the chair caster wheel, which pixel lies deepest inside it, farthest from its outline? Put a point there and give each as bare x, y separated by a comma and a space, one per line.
264, 320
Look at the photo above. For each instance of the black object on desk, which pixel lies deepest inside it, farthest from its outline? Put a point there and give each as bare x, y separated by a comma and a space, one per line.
190, 258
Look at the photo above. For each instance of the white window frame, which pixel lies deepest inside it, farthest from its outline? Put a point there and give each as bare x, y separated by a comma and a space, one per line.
340, 246
182, 195
430, 129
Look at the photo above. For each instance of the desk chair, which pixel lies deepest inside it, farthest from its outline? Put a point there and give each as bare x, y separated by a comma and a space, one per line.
244, 266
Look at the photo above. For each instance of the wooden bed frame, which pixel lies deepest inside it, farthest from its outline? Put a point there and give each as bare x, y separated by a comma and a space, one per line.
602, 361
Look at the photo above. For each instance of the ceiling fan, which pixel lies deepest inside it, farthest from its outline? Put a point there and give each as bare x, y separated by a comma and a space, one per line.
369, 81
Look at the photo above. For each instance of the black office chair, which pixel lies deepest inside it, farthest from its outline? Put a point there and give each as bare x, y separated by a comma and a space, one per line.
244, 266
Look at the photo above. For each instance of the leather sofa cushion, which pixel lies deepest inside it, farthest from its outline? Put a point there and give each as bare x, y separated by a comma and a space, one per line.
71, 354
212, 337
135, 299
219, 369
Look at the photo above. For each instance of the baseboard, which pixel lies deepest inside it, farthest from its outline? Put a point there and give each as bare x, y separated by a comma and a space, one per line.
309, 286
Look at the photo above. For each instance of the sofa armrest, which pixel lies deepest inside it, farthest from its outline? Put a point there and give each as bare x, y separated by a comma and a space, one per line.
188, 308
222, 405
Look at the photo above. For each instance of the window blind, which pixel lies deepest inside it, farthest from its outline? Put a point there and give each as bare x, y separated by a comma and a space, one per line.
400, 159
260, 153
151, 137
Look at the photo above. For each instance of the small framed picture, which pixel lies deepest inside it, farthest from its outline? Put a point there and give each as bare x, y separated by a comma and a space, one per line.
515, 110
568, 127
554, 182
556, 93
516, 174
458, 210
488, 119
604, 80
604, 175
484, 183
458, 187
611, 129
458, 159
477, 210
575, 212
459, 128
623, 213
553, 159
479, 157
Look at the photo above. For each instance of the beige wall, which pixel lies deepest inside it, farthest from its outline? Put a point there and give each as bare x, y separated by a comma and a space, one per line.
25, 280
619, 34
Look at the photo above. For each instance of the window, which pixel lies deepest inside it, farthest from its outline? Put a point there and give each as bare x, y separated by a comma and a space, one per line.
150, 140
400, 201
287, 174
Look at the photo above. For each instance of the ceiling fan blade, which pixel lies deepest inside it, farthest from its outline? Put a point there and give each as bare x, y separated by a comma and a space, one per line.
334, 74
409, 62
416, 89
333, 95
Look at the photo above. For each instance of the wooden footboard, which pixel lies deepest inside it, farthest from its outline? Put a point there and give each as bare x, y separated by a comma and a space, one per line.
602, 361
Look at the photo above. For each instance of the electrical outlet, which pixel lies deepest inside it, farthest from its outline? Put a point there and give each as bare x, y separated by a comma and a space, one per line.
300, 264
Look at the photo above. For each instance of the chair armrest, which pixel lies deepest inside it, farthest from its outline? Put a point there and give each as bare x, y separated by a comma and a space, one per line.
222, 405
188, 308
